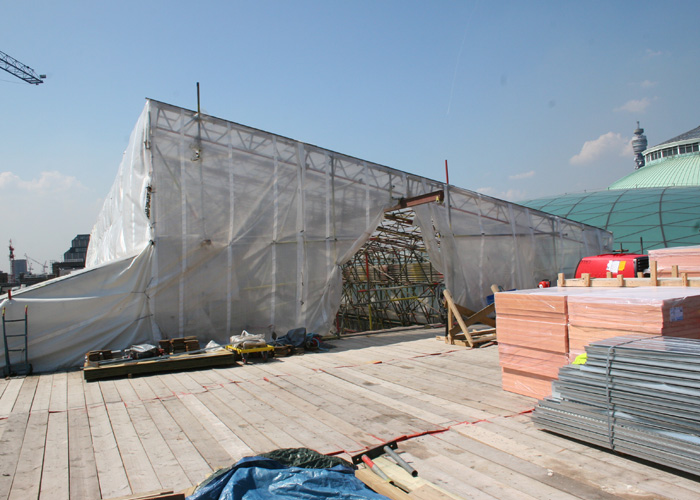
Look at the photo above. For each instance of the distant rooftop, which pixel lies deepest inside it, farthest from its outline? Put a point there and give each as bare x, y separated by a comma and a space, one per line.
691, 134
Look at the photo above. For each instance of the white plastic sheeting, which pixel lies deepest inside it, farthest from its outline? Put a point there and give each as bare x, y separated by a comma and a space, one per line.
485, 241
226, 228
101, 308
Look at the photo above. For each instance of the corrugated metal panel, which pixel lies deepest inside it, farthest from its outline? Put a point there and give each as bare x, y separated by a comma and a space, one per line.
635, 395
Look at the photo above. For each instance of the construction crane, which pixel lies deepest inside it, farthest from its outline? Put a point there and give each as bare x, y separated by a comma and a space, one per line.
21, 71
44, 265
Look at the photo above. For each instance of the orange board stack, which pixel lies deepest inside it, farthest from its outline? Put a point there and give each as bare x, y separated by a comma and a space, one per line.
667, 311
541, 330
686, 258
532, 339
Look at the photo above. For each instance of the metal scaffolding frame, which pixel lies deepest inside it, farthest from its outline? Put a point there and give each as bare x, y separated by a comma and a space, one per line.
390, 281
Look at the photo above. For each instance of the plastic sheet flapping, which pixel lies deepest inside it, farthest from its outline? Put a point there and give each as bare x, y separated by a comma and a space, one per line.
257, 478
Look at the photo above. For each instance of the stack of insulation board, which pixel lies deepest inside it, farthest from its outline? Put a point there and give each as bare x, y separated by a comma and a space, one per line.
532, 338
686, 258
605, 313
541, 330
635, 395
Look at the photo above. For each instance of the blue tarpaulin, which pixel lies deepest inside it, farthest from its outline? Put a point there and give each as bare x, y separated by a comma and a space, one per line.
259, 478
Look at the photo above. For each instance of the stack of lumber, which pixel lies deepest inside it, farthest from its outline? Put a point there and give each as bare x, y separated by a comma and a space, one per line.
541, 330
635, 395
166, 345
651, 311
185, 344
532, 339
686, 258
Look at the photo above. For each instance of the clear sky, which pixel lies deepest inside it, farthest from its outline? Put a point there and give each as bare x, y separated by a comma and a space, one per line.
524, 98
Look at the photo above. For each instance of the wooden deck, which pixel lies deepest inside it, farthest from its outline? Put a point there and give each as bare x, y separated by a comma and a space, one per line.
62, 437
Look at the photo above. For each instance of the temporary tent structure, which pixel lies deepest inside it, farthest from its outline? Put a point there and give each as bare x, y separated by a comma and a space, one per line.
212, 227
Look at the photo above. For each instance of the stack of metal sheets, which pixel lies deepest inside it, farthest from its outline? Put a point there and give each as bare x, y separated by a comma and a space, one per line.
637, 395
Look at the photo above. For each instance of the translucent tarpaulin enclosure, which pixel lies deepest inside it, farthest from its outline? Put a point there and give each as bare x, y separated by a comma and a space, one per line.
216, 227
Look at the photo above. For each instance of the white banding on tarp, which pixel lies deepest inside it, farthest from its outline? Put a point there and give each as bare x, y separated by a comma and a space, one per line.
105, 307
232, 228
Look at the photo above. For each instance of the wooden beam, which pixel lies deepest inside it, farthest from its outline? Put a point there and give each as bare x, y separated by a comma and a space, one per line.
434, 197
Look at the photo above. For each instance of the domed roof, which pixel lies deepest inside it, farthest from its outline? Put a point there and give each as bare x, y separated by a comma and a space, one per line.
675, 162
640, 219
681, 170
656, 206
690, 134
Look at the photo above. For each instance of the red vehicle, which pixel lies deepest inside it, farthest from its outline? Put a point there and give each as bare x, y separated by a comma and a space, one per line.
626, 264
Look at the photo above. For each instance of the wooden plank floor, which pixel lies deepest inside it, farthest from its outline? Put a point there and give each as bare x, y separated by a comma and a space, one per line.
62, 437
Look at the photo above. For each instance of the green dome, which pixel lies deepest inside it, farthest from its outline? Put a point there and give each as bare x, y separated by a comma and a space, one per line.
640, 219
656, 206
681, 170
675, 162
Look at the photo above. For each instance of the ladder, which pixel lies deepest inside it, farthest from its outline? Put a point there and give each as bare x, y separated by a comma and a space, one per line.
23, 368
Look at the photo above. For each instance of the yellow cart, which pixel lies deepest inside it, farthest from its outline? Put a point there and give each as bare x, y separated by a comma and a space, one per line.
266, 352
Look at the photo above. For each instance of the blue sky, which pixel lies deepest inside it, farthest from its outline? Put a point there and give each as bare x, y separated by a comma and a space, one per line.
524, 99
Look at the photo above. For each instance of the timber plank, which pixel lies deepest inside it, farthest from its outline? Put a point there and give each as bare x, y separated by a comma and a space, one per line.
108, 462
616, 480
164, 463
534, 478
151, 366
186, 453
126, 391
59, 392
110, 394
365, 391
189, 383
139, 471
244, 405
218, 424
492, 400
228, 375
82, 467
10, 447
313, 433
9, 396
12, 425
174, 384
27, 476
456, 478
76, 391
208, 379
441, 411
55, 472
42, 395
374, 418
375, 391
404, 388
142, 388
357, 435
589, 458
373, 425
93, 394
489, 477
207, 445
159, 388
232, 414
